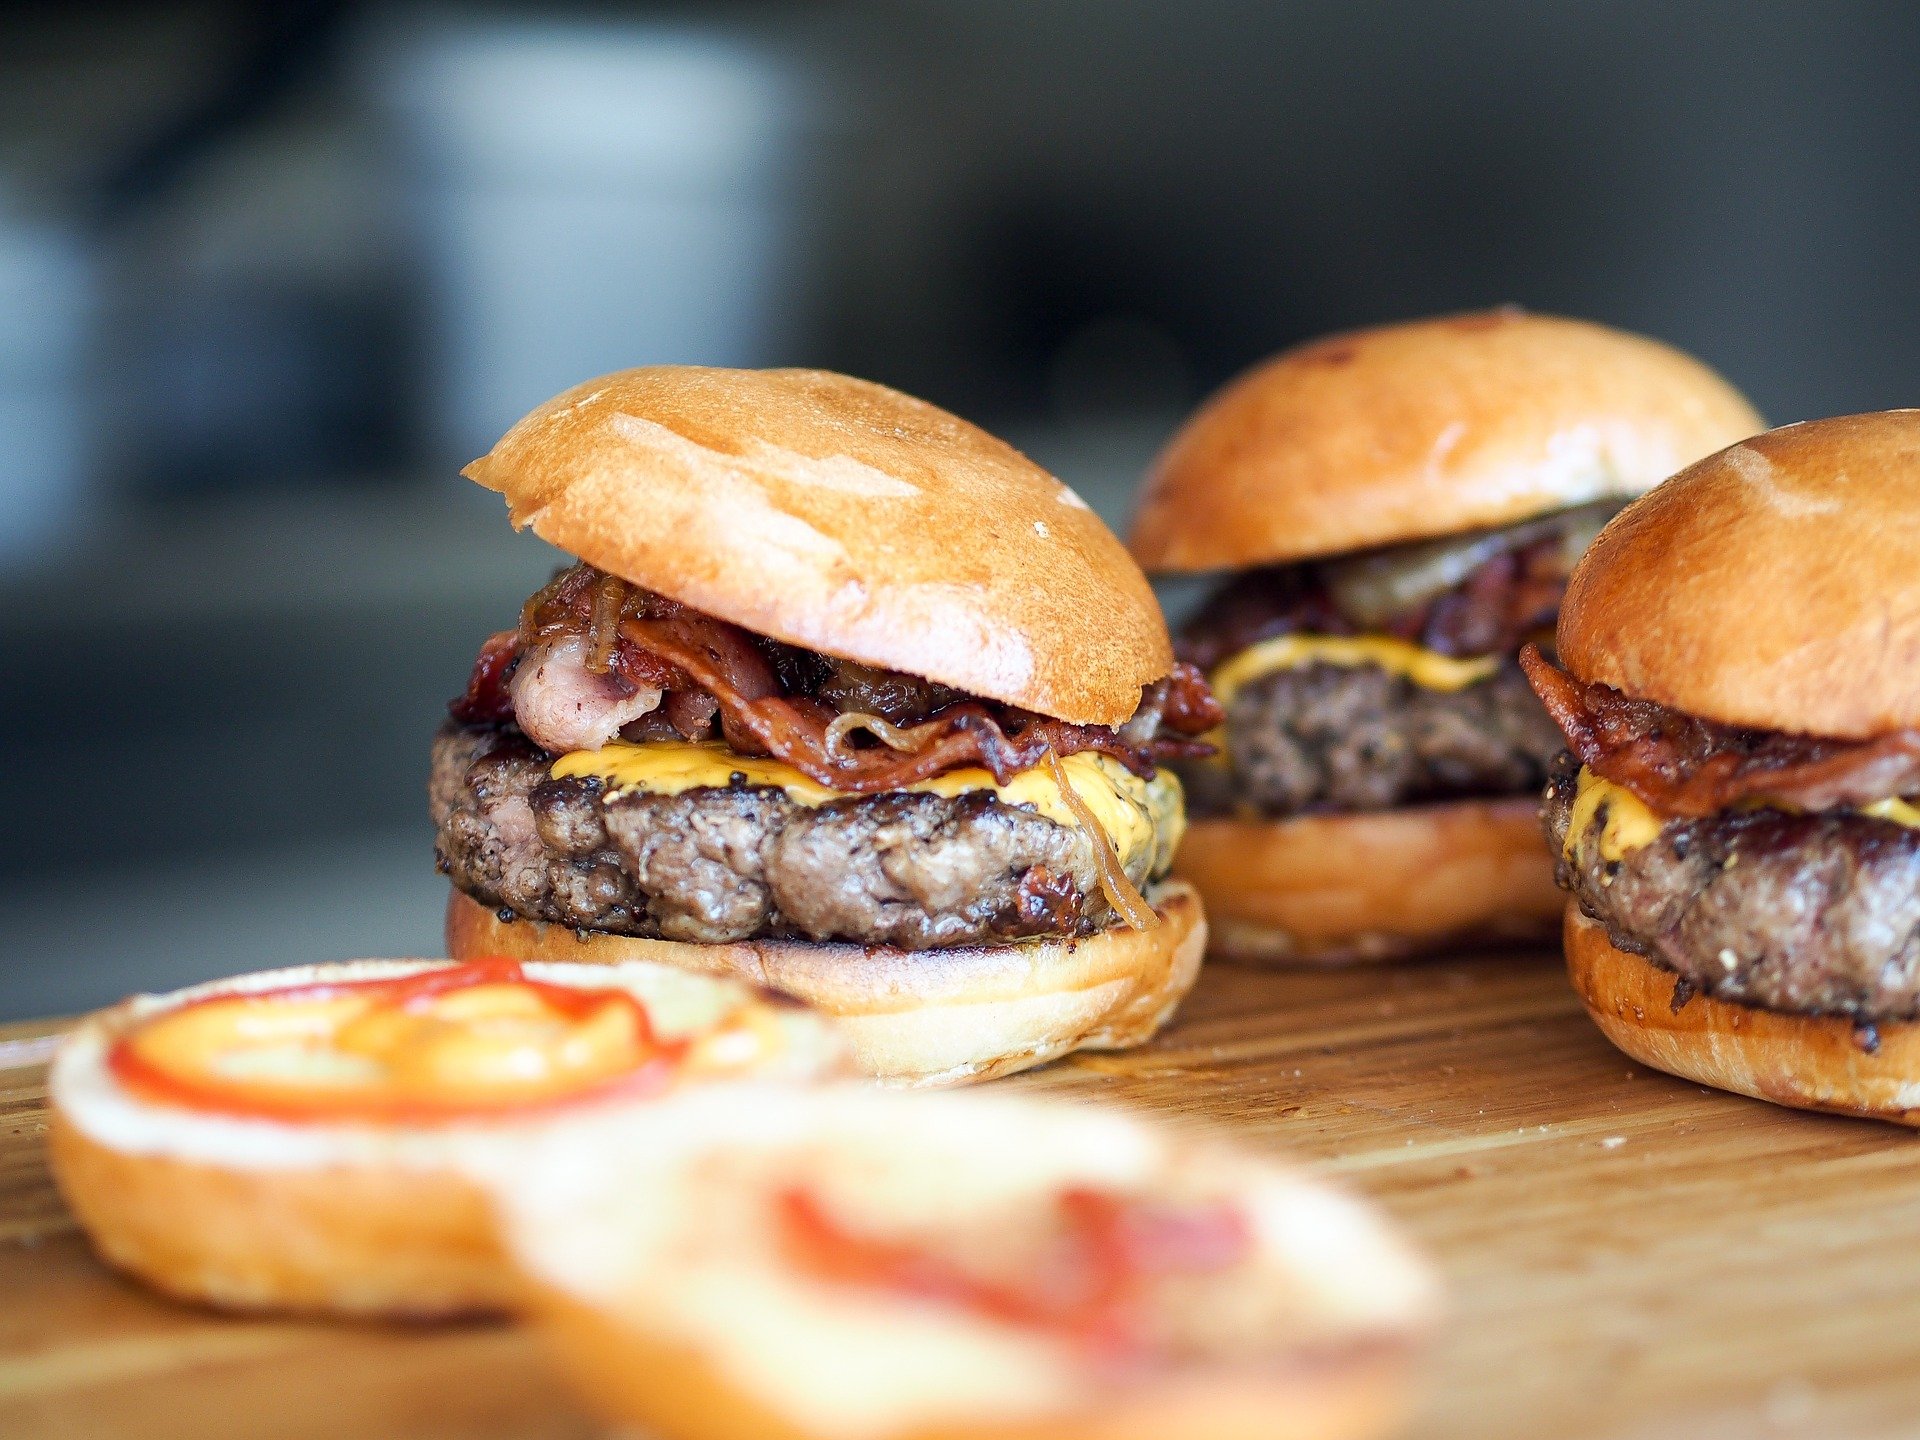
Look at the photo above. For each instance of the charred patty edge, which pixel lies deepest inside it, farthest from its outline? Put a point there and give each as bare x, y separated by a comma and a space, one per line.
1799, 914
909, 870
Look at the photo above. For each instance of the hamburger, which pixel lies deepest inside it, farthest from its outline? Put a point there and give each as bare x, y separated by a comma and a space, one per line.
1388, 516
843, 695
1735, 813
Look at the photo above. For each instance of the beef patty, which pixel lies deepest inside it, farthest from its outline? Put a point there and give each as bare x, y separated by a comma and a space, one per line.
1810, 914
1358, 737
900, 868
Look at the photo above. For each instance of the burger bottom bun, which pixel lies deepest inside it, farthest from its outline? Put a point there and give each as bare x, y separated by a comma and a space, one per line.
1809, 1062
661, 1387
344, 1240
926, 1017
1344, 889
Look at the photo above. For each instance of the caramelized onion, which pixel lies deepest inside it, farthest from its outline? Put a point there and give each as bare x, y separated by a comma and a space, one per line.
1374, 588
533, 614
908, 739
609, 597
1127, 901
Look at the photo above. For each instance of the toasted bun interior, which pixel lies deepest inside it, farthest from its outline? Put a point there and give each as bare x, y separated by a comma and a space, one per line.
928, 1017
1810, 1062
688, 1316
1772, 584
845, 517
1414, 430
1333, 889
346, 1219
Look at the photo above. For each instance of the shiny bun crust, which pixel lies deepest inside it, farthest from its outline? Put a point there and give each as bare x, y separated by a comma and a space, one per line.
845, 517
686, 1322
1340, 889
1809, 1062
339, 1219
1427, 428
1773, 584
927, 1017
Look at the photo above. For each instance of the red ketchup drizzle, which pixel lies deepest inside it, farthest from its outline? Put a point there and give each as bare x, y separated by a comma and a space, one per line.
652, 1075
1088, 1289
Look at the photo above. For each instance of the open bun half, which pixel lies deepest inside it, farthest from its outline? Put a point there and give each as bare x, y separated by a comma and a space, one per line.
1772, 584
845, 517
1810, 1062
347, 1219
920, 1017
1338, 889
1403, 432
688, 1316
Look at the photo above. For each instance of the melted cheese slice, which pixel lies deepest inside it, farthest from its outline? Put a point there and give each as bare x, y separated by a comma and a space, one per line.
1140, 817
1630, 823
1428, 669
1896, 810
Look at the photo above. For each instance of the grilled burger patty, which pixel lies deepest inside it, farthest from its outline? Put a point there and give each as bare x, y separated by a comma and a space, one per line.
1358, 737
1810, 914
905, 869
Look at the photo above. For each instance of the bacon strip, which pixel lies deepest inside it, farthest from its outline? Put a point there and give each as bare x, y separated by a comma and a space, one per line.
756, 721
1683, 765
486, 700
703, 664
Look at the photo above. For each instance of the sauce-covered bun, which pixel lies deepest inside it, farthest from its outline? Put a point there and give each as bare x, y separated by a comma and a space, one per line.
295, 1139
855, 1265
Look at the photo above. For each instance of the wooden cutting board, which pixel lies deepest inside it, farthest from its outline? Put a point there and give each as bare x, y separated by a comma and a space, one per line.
1628, 1255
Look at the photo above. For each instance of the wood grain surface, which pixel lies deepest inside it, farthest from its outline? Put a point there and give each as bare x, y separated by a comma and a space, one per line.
1628, 1255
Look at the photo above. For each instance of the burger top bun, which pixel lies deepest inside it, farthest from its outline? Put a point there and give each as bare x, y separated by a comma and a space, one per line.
1772, 584
845, 517
1405, 432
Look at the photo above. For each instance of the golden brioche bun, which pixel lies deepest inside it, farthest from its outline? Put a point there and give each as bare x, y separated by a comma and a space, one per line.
334, 1218
845, 517
1408, 431
1378, 885
684, 1317
1810, 1062
920, 1017
1772, 584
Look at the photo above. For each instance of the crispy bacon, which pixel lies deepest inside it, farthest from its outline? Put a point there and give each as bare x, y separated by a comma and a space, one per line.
486, 700
1189, 705
708, 668
1683, 765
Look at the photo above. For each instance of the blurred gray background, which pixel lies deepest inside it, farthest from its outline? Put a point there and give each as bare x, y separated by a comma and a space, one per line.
269, 274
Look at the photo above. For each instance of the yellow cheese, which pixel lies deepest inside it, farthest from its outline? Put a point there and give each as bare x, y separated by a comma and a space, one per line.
1428, 669
1628, 822
1896, 810
1139, 816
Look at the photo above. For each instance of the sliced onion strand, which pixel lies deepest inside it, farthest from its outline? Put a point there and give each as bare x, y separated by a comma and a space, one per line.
1121, 893
603, 631
908, 740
